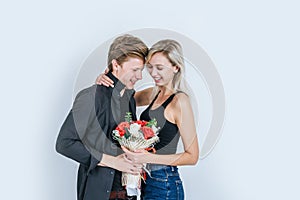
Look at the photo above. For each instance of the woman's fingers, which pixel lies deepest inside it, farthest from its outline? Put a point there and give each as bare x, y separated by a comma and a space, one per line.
102, 79
106, 71
107, 80
124, 149
135, 170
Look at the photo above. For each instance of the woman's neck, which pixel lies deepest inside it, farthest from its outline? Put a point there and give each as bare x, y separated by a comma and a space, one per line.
164, 91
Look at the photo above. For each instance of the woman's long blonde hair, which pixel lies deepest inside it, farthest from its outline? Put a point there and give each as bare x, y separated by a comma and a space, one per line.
173, 52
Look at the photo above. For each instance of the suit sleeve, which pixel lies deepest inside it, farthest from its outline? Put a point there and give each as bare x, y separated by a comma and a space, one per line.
71, 135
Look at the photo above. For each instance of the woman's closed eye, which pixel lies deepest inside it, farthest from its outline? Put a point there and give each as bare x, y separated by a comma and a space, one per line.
149, 66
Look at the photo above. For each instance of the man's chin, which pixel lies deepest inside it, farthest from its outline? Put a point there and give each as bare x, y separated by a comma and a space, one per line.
130, 86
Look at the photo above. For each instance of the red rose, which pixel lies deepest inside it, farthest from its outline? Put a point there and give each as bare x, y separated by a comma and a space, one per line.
121, 128
141, 122
148, 132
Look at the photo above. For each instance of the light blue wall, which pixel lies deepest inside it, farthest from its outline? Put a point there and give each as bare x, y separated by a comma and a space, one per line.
254, 45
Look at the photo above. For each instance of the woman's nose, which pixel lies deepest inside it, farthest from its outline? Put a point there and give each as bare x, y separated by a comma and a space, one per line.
153, 72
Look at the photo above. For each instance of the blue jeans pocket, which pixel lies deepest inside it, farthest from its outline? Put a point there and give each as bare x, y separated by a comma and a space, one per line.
159, 175
163, 184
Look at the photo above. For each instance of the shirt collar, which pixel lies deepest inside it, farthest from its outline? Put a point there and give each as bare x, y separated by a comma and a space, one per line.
119, 86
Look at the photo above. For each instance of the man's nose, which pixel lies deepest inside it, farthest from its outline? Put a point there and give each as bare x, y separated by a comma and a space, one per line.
139, 75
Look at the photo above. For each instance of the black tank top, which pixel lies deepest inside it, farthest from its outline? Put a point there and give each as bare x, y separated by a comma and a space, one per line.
168, 133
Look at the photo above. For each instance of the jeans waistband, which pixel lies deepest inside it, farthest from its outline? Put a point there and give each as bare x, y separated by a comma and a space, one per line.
153, 167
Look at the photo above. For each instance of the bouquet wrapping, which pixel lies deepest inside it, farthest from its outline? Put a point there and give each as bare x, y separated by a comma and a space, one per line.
135, 135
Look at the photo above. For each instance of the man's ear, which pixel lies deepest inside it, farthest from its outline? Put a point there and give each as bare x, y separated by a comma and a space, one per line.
115, 65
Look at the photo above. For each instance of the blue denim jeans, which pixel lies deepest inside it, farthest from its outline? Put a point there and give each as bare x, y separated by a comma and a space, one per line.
164, 183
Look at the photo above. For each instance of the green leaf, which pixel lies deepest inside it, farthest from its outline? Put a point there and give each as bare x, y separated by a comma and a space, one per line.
127, 133
128, 117
152, 122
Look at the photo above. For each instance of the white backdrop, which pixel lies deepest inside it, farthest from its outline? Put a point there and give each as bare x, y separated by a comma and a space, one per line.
254, 45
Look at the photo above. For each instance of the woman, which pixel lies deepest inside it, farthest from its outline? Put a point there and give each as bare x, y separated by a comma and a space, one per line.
171, 107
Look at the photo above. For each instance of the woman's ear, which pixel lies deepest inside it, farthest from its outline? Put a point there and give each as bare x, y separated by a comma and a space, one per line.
176, 69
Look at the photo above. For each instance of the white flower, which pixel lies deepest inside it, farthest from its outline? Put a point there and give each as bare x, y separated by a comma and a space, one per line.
116, 133
155, 129
134, 129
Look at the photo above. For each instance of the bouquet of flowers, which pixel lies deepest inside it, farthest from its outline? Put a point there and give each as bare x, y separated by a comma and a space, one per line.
135, 135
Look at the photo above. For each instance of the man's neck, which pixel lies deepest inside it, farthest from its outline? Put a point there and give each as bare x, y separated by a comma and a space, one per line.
115, 74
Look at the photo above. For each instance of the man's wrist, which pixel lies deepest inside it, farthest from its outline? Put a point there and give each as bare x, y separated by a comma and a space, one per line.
107, 161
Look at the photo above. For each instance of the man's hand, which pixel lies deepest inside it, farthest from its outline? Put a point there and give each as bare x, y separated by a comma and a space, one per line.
121, 163
125, 165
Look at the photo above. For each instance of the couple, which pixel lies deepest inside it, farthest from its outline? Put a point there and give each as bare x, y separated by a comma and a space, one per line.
86, 134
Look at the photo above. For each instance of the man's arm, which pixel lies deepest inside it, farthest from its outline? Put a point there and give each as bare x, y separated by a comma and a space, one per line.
73, 131
69, 142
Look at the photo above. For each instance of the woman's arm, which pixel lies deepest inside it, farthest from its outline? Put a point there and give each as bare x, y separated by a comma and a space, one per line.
184, 119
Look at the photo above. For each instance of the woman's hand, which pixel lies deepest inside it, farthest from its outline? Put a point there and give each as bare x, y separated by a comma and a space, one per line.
102, 79
138, 157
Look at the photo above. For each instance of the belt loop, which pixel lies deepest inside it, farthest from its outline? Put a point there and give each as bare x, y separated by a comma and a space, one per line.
172, 168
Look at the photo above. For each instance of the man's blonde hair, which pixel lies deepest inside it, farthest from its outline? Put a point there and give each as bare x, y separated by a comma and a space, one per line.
126, 46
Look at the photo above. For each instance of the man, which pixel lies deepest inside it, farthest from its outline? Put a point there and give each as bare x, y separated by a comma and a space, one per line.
86, 134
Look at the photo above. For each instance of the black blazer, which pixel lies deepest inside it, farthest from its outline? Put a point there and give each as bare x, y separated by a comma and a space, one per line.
86, 134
